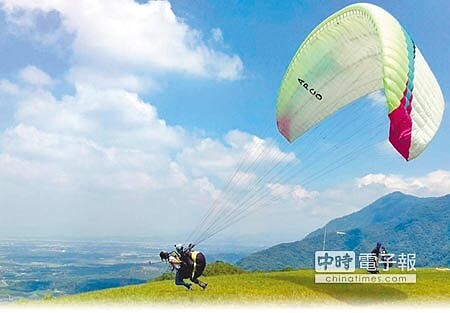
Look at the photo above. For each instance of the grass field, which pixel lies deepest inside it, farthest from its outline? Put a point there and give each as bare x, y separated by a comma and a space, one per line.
275, 287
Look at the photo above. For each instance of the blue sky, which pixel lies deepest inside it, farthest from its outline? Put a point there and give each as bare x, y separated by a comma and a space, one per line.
130, 116
266, 34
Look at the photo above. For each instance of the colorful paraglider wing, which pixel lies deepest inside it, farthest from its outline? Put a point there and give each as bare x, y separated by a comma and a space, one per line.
356, 51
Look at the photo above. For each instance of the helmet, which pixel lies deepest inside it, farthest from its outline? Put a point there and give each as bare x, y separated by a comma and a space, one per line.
164, 255
179, 247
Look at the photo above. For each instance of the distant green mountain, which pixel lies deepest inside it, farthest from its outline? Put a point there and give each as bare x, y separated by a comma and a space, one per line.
402, 223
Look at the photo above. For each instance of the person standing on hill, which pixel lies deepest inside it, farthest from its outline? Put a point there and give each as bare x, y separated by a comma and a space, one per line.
376, 253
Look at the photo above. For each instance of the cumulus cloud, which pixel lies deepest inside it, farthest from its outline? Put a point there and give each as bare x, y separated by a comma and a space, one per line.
110, 143
436, 183
350, 196
100, 137
238, 148
40, 108
23, 170
113, 116
103, 158
292, 191
243, 179
300, 210
35, 76
111, 79
130, 37
8, 88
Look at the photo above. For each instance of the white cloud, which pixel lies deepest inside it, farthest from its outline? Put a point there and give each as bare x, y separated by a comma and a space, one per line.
257, 149
114, 158
205, 156
112, 143
292, 192
262, 150
135, 38
109, 143
205, 186
16, 169
112, 79
8, 87
436, 183
109, 115
300, 210
40, 108
109, 149
109, 138
126, 180
243, 179
35, 76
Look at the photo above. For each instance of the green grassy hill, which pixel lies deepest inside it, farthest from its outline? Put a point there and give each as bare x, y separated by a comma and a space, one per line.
274, 287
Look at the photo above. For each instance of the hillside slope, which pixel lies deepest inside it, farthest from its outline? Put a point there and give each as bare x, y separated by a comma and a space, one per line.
403, 223
274, 287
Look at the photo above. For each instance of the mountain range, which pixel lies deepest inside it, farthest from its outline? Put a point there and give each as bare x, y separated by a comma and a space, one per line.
402, 223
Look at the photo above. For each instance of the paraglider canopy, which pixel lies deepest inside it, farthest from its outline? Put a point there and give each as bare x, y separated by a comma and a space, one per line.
358, 51
354, 52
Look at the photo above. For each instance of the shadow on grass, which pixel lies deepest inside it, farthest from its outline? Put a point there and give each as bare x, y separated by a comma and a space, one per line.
348, 293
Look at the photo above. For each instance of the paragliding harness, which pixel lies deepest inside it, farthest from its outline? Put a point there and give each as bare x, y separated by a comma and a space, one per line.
194, 262
192, 265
